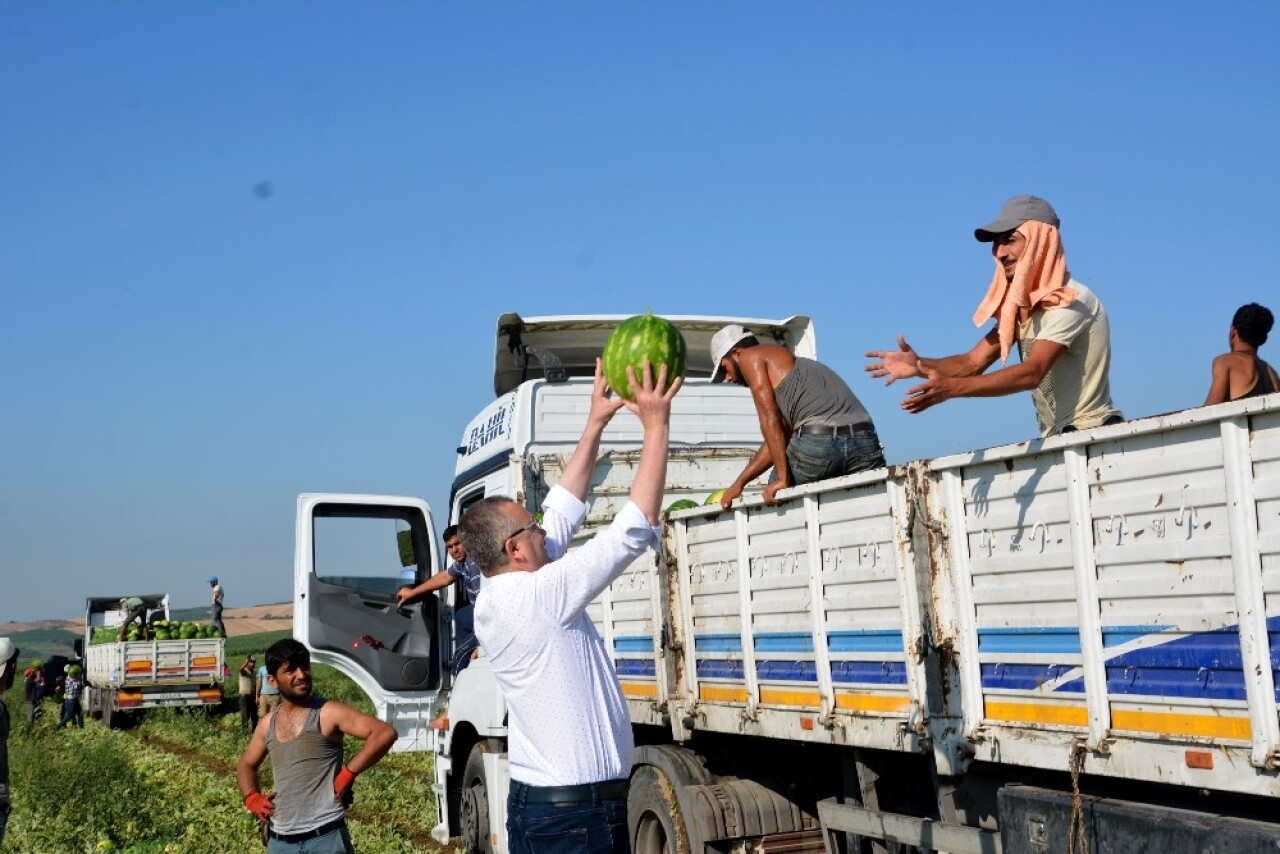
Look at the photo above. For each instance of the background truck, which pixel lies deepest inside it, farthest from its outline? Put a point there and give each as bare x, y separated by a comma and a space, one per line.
123, 677
1012, 649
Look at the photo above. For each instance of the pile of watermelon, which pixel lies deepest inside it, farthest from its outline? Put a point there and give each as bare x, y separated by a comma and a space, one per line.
161, 630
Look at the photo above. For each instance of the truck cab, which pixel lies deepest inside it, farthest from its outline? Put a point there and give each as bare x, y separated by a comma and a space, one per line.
351, 548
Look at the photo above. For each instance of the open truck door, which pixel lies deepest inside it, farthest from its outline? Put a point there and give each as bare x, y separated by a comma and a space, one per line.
351, 554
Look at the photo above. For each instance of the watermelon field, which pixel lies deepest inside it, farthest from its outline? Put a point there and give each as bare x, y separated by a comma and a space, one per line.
167, 784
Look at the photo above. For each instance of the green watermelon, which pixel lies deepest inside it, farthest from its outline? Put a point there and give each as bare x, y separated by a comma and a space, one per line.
635, 339
682, 504
714, 498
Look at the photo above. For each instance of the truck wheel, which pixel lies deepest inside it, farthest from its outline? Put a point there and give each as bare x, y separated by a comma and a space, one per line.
653, 814
475, 799
111, 716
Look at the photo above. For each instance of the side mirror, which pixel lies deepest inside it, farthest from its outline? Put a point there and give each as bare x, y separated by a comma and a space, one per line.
404, 542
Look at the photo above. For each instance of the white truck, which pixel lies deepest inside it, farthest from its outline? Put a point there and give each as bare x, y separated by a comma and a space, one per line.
122, 677
1022, 649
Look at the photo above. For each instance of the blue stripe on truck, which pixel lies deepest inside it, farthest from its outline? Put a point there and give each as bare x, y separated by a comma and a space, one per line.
844, 672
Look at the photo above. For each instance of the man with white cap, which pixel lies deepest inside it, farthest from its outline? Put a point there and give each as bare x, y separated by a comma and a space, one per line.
814, 427
1059, 325
8, 667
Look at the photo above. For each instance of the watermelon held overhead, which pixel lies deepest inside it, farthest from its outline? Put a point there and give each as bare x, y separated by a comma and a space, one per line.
635, 339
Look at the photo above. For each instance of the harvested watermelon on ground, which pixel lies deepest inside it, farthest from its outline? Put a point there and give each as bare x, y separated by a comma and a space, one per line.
635, 339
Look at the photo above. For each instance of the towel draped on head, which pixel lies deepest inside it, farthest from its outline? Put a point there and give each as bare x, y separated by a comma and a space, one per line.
1039, 278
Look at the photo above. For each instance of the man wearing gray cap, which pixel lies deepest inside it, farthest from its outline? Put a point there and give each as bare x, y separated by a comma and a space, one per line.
1059, 325
814, 426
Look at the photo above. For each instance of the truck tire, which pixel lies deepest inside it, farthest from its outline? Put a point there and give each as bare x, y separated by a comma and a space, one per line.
474, 811
111, 716
654, 822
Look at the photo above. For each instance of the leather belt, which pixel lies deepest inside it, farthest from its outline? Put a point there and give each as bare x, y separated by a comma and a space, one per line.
322, 830
833, 431
576, 794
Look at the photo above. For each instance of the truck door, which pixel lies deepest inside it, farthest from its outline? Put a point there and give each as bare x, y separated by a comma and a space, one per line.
352, 552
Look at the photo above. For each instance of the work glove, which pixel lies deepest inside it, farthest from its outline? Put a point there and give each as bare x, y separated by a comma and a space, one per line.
260, 804
342, 786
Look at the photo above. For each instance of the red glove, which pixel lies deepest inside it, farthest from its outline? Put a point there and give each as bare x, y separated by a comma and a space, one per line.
342, 785
260, 804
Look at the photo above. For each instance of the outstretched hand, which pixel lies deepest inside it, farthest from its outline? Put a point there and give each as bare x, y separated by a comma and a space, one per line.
934, 390
895, 364
653, 396
604, 403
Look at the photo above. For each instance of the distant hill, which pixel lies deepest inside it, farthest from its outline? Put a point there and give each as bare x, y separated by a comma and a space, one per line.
43, 638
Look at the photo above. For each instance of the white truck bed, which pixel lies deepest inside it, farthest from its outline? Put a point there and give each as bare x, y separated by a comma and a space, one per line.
1113, 592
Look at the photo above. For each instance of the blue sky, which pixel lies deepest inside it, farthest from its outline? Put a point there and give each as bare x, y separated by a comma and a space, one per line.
249, 250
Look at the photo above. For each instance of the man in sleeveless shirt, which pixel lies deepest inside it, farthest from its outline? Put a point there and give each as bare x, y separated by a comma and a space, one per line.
1239, 374
1060, 328
814, 427
303, 736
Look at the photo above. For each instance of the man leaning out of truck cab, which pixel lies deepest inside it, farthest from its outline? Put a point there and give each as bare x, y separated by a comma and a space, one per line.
814, 426
570, 743
464, 569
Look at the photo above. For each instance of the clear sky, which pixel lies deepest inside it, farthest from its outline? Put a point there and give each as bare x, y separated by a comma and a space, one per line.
249, 250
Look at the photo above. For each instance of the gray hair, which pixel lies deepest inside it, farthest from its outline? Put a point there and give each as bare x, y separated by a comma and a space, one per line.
484, 530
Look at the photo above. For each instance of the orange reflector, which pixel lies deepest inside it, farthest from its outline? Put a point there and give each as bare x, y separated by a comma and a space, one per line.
806, 723
441, 722
204, 661
137, 666
1200, 759
128, 698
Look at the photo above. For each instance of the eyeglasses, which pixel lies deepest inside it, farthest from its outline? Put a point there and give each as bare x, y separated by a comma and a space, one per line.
532, 526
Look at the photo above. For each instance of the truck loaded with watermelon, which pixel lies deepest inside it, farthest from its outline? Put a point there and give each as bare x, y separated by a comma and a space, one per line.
171, 663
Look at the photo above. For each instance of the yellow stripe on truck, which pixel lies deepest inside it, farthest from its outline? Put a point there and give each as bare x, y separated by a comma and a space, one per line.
1231, 727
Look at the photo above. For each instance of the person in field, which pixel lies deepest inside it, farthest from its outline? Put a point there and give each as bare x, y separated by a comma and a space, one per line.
8, 669
303, 736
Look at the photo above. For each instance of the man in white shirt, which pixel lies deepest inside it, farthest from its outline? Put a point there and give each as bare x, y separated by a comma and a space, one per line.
1059, 326
569, 739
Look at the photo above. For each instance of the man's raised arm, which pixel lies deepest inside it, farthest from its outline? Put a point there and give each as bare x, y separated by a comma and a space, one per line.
577, 474
653, 407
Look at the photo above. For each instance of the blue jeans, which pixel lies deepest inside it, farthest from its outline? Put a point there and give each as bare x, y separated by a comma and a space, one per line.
334, 842
813, 458
597, 826
4, 820
72, 712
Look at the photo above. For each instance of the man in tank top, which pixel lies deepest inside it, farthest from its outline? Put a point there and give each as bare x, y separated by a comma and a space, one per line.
814, 427
303, 736
1240, 373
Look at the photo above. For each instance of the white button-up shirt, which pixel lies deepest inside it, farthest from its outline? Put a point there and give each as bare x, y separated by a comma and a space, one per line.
566, 718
